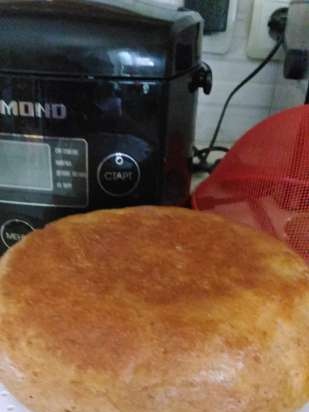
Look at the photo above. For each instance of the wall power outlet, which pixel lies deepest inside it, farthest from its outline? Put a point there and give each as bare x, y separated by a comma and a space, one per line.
260, 43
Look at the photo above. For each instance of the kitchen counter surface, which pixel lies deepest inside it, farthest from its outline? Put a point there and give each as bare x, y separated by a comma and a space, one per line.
197, 180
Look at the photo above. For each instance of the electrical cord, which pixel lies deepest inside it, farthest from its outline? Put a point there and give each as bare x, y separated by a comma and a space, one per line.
201, 156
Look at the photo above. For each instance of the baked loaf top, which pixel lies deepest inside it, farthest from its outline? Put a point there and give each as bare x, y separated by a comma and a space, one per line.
154, 309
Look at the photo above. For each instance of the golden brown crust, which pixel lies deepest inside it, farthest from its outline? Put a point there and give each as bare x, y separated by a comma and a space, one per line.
154, 309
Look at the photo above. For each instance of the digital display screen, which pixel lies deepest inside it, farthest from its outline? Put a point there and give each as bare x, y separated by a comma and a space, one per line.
25, 166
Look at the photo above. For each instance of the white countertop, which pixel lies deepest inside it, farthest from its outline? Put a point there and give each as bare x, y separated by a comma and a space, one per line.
197, 179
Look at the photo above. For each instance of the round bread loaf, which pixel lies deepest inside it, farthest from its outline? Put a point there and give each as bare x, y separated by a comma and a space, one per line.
154, 310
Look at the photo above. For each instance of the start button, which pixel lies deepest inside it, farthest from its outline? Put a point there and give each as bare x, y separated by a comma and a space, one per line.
119, 175
13, 231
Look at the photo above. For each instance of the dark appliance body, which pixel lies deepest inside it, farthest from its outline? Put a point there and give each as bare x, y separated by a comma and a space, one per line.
97, 108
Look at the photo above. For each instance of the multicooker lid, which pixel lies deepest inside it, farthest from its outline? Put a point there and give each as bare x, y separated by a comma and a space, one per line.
97, 38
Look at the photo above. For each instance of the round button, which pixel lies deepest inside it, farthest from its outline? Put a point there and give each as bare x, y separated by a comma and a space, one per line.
119, 175
13, 231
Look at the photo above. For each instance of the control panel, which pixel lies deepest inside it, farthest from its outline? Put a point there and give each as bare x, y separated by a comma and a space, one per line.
44, 171
45, 178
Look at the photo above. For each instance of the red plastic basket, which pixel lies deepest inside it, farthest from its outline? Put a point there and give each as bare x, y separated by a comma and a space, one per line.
264, 180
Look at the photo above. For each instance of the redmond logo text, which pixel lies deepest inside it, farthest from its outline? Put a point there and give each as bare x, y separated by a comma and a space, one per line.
34, 110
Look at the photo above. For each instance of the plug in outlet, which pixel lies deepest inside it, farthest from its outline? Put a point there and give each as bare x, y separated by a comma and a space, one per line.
260, 43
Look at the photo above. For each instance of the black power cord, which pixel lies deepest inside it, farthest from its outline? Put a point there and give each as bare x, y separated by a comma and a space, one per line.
201, 163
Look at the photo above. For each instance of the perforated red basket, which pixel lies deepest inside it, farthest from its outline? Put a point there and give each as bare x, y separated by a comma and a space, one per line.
264, 180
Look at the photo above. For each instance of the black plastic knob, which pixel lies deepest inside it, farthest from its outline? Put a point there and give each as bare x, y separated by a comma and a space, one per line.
202, 78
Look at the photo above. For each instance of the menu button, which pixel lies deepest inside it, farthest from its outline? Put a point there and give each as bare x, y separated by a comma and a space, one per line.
13, 231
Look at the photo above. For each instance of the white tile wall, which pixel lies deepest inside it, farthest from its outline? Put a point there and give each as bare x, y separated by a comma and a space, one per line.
253, 103
289, 93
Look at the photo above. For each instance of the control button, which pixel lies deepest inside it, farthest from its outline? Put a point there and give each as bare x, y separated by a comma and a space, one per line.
119, 175
13, 231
